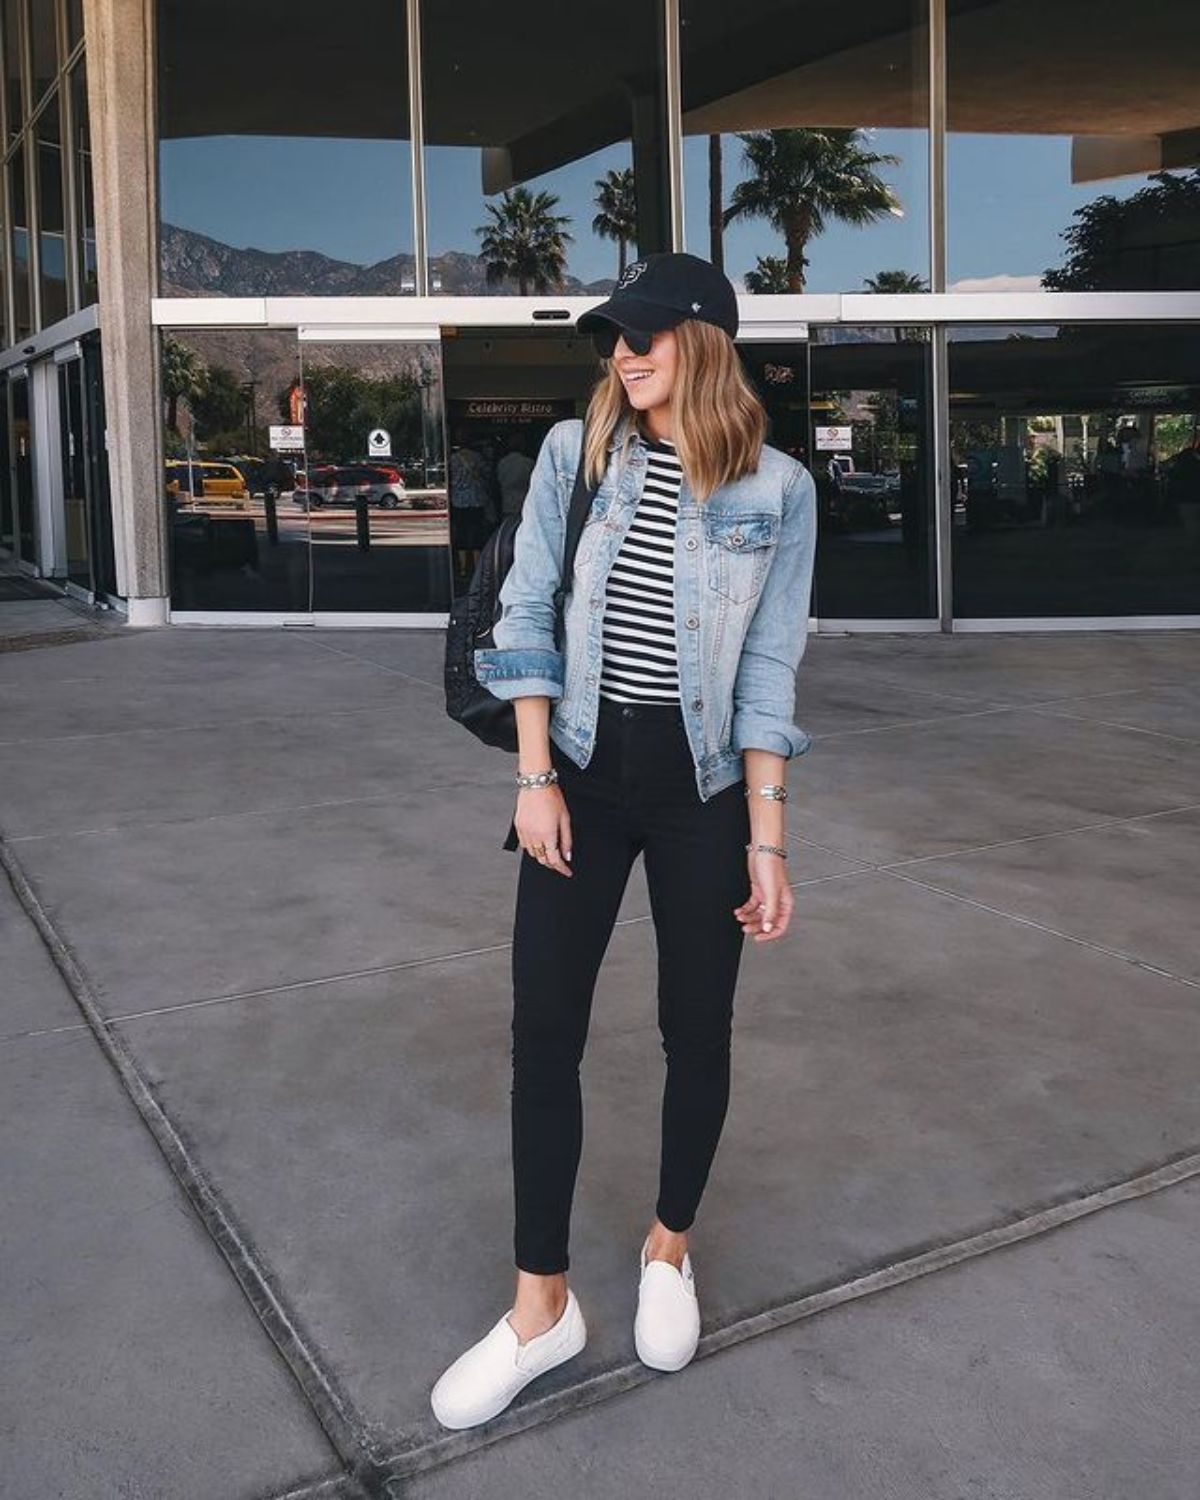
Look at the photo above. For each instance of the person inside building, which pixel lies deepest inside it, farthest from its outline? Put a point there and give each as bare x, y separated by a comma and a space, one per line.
661, 729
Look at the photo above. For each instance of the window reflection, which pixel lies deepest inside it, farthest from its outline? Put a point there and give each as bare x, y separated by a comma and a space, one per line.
89, 288
43, 45
374, 478
1073, 162
870, 457
1076, 470
284, 157
805, 144
19, 220
238, 535
51, 237
546, 144
13, 72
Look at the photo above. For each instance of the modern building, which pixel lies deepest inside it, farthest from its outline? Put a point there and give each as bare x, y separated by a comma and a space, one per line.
286, 289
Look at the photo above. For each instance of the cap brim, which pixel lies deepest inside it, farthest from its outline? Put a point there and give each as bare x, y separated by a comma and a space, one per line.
629, 312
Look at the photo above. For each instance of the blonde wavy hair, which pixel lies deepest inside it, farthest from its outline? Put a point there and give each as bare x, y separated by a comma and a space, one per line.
718, 423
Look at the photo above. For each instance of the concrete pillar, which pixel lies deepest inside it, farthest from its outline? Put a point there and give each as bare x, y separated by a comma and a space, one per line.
120, 69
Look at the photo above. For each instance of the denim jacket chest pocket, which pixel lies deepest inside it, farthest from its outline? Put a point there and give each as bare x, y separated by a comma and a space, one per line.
738, 548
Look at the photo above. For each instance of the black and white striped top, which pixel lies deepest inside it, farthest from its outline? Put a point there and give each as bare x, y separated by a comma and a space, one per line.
640, 658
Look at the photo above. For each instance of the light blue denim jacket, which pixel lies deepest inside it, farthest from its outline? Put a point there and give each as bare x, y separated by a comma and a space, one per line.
743, 582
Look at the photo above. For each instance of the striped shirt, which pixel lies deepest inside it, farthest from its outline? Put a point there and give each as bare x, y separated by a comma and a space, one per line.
640, 658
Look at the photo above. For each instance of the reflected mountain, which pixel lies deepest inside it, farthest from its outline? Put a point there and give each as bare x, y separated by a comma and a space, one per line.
196, 265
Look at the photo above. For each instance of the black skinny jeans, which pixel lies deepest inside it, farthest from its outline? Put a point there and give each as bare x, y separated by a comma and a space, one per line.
638, 794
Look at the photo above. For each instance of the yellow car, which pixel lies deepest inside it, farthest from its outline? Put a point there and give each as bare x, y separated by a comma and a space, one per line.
206, 481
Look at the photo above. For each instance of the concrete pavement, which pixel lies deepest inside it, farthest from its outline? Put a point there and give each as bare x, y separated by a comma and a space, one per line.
262, 924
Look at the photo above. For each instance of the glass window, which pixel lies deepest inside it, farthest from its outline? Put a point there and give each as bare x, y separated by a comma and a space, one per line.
545, 144
19, 220
870, 455
13, 72
238, 536
4, 339
1075, 146
375, 486
1076, 470
805, 149
74, 23
284, 159
43, 37
51, 237
89, 289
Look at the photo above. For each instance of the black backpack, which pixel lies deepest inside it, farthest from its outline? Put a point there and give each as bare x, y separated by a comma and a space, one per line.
474, 614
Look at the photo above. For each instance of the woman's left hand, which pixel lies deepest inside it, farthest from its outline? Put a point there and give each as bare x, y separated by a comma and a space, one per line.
767, 912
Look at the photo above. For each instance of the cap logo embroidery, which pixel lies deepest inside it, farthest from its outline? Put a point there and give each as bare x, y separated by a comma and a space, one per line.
631, 273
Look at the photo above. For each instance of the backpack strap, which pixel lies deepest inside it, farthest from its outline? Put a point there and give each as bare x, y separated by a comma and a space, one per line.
581, 500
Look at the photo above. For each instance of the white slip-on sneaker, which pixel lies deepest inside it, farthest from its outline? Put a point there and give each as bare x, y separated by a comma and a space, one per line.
666, 1329
483, 1381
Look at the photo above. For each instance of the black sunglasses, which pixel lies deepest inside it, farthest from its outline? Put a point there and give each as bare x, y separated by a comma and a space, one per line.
604, 340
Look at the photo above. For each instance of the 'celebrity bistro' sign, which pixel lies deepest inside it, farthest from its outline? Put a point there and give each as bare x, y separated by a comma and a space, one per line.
494, 410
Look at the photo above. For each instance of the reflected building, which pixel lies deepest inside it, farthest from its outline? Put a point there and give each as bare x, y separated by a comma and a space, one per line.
286, 309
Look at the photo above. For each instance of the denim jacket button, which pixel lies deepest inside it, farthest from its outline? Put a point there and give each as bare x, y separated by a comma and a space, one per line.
737, 538
692, 622
697, 704
690, 544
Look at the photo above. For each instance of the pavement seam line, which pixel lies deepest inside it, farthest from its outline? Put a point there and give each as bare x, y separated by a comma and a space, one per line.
1055, 932
333, 1410
399, 966
203, 726
368, 661
440, 1451
998, 843
1159, 734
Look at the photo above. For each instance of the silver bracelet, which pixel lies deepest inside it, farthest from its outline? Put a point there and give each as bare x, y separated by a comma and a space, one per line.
769, 849
772, 793
537, 778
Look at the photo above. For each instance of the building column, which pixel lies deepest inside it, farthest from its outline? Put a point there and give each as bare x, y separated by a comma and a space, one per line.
120, 73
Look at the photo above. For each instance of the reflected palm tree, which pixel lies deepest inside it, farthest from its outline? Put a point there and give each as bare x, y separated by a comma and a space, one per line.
526, 241
896, 283
617, 219
801, 179
770, 274
184, 377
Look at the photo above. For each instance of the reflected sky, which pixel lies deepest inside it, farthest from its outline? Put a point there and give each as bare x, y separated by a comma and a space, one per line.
1010, 198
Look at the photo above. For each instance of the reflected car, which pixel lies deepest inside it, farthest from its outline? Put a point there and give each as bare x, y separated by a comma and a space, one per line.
865, 499
204, 479
343, 484
270, 477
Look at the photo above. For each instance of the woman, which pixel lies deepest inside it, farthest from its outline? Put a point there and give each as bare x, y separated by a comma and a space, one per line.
661, 728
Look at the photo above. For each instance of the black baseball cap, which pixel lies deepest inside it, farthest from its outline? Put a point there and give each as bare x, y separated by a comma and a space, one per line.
658, 291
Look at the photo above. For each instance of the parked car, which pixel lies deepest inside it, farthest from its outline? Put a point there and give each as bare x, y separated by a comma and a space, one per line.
343, 484
204, 479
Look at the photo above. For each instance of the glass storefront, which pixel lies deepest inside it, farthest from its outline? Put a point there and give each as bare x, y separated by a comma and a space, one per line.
871, 458
1074, 145
87, 532
284, 157
1075, 456
805, 143
544, 163
304, 476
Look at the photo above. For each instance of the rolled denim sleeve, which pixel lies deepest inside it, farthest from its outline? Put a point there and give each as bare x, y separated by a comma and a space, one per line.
764, 691
525, 661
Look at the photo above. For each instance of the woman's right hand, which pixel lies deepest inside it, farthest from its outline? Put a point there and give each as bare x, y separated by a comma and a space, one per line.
542, 818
